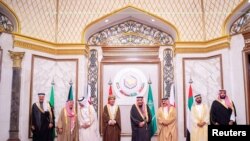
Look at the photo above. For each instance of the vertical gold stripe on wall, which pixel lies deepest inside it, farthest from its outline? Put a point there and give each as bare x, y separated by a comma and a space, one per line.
56, 24
203, 21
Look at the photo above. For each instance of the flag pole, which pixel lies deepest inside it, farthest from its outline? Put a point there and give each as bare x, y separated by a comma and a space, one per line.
53, 82
150, 103
110, 82
190, 103
71, 82
52, 104
190, 80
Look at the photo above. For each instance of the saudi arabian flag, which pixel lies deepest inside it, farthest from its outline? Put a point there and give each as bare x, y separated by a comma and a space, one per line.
52, 95
52, 104
153, 124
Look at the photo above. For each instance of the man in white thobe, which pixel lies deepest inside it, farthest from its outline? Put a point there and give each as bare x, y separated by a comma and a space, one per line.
87, 121
200, 118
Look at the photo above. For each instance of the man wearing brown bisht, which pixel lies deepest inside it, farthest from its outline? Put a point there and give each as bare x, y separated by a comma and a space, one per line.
111, 120
67, 125
166, 117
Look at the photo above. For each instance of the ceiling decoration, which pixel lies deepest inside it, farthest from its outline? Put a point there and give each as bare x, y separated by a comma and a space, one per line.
130, 33
63, 21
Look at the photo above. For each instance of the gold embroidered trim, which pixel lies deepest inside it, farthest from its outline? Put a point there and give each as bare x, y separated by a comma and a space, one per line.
112, 117
146, 111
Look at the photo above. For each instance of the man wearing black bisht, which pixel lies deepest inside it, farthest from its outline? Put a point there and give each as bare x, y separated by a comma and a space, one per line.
42, 120
223, 111
140, 119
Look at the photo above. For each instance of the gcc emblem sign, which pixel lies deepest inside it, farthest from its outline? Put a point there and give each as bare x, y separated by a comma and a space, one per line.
129, 83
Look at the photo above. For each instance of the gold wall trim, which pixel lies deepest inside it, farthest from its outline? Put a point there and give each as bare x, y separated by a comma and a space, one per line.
82, 49
230, 15
48, 47
15, 15
129, 6
202, 50
204, 43
203, 47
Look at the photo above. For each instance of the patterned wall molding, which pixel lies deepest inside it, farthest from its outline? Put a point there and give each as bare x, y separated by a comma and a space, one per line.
93, 76
202, 47
130, 33
49, 47
168, 71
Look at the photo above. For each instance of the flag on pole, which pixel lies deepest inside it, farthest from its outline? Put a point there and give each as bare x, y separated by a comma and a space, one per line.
110, 90
172, 95
153, 124
52, 104
190, 104
52, 95
190, 98
70, 96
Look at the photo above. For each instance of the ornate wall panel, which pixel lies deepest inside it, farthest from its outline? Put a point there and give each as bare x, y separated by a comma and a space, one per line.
62, 71
130, 33
93, 76
207, 77
168, 71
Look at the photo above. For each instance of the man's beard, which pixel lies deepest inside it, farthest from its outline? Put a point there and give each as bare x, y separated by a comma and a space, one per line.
198, 101
222, 97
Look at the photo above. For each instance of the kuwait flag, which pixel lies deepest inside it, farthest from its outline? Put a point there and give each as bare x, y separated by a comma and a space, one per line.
190, 104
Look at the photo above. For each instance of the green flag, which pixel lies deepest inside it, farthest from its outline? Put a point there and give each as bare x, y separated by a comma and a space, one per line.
52, 104
52, 95
70, 96
153, 124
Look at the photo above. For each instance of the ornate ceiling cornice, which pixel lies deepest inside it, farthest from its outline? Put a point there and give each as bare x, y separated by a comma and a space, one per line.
49, 47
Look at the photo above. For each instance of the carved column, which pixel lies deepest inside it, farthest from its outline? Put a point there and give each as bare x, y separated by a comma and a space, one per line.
168, 71
93, 76
15, 95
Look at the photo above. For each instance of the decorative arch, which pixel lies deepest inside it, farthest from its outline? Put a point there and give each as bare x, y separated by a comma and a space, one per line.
128, 13
9, 22
242, 7
130, 33
242, 24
